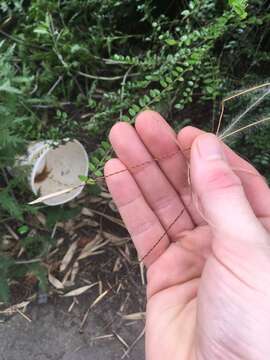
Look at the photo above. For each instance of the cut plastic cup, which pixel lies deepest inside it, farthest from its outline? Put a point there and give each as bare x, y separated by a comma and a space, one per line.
55, 167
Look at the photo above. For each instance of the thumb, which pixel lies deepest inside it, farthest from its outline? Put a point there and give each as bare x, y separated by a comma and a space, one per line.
221, 195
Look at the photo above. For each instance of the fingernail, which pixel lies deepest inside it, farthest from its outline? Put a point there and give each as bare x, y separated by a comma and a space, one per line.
210, 148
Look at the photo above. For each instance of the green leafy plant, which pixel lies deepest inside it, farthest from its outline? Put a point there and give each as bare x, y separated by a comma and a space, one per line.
239, 6
73, 68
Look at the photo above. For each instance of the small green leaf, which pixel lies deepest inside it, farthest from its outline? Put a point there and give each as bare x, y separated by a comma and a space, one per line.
98, 173
83, 178
163, 83
126, 118
132, 112
171, 42
22, 230
92, 167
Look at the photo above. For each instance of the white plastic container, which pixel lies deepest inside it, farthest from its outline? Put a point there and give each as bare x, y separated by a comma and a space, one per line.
53, 167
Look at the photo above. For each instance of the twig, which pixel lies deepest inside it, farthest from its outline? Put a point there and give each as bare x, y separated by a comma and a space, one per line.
98, 299
121, 340
60, 78
24, 316
105, 78
22, 262
123, 89
133, 344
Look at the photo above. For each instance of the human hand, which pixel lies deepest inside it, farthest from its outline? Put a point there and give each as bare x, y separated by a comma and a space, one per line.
208, 291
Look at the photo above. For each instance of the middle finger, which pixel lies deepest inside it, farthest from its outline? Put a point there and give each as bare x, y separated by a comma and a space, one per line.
157, 190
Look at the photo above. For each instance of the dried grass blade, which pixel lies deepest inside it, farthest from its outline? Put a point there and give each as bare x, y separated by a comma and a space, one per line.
134, 316
244, 128
55, 282
68, 257
98, 299
79, 291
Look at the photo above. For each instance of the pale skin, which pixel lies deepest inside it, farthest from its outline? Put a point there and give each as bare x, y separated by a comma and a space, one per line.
208, 279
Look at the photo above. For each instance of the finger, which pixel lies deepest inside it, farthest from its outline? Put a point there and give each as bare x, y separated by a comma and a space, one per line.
155, 187
161, 142
141, 222
255, 186
222, 196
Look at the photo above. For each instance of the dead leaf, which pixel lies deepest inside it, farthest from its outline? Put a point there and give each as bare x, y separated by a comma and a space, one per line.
68, 257
55, 282
87, 212
113, 207
79, 291
13, 309
74, 271
41, 218
111, 218
84, 240
134, 316
105, 195
90, 248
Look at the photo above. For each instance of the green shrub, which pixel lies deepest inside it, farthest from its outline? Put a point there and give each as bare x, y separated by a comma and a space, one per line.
74, 67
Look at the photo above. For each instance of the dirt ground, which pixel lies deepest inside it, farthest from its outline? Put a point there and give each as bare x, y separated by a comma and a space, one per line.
54, 333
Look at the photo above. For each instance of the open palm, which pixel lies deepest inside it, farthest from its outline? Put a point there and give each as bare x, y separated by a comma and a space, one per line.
209, 278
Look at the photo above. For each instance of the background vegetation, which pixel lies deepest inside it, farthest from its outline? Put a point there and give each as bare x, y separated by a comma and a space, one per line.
75, 67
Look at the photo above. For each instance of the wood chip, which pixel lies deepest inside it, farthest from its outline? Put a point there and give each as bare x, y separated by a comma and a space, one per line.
68, 257
13, 309
121, 340
74, 271
60, 241
86, 222
41, 218
74, 302
134, 316
113, 207
65, 280
133, 344
111, 218
94, 199
80, 290
87, 212
105, 195
55, 282
102, 337
117, 265
91, 248
142, 273
95, 302
24, 316
12, 232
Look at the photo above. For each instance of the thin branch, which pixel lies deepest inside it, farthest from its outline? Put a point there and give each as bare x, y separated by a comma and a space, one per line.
105, 78
123, 89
